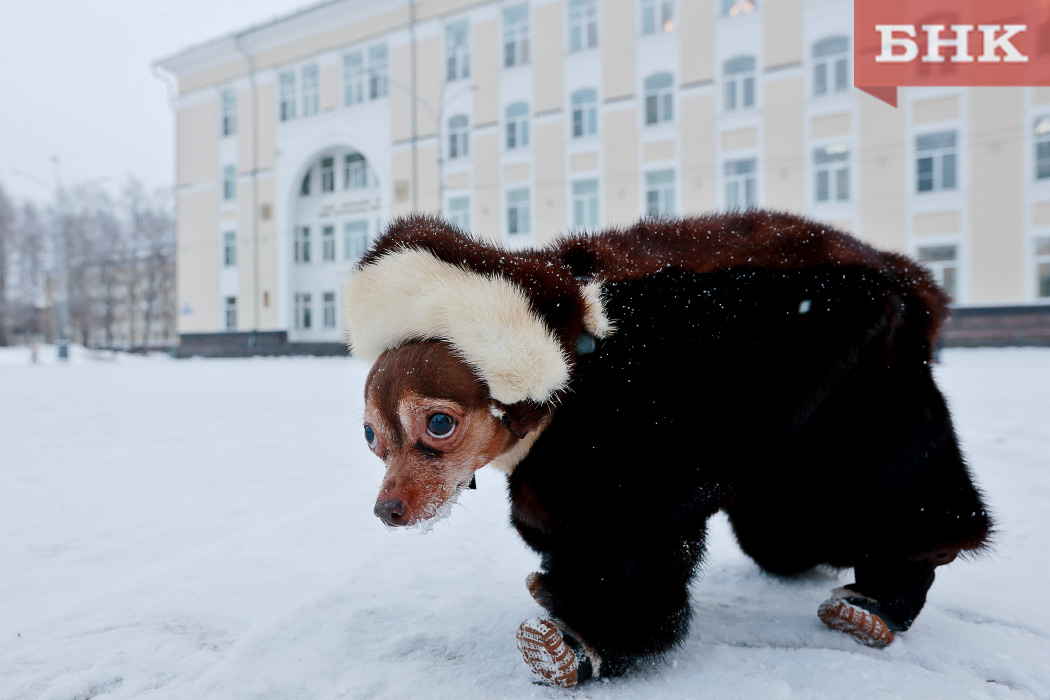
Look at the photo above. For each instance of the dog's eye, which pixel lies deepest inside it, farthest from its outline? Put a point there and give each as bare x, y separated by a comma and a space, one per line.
440, 425
370, 437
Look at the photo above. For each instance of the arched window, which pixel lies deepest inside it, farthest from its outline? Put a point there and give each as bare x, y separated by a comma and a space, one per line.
517, 125
584, 113
740, 83
830, 65
355, 171
458, 137
659, 98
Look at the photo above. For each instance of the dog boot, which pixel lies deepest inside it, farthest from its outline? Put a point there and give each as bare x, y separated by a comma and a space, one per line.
534, 582
858, 616
557, 658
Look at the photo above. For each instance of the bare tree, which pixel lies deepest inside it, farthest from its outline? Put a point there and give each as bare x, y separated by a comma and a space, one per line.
7, 236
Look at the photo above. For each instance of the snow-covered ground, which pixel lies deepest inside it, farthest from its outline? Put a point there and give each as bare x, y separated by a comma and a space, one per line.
204, 529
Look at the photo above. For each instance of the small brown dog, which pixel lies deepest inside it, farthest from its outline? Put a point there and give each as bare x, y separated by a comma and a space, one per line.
633, 383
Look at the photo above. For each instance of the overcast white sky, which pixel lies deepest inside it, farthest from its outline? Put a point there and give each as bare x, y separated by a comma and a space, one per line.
75, 82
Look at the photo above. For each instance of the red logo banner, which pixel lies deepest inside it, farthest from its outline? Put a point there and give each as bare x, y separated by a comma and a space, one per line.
949, 42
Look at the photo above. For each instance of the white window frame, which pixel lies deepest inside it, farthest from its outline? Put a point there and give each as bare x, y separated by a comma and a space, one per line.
516, 43
328, 243
659, 99
302, 245
583, 25
230, 314
458, 137
459, 212
584, 113
229, 183
831, 65
831, 164
736, 180
311, 89
287, 97
518, 209
651, 12
355, 238
378, 72
586, 205
229, 112
517, 117
457, 50
939, 156
740, 75
1041, 138
327, 170
229, 248
1041, 260
355, 171
303, 311
328, 309
354, 78
660, 196
941, 268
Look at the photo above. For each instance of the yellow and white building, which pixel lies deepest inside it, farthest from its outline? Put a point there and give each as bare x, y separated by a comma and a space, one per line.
519, 119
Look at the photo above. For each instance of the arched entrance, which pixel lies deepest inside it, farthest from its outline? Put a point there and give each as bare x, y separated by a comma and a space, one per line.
337, 210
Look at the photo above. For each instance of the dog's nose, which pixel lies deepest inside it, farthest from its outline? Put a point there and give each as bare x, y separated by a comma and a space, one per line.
391, 512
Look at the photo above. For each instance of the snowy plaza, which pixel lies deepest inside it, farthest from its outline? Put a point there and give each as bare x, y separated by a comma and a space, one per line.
204, 529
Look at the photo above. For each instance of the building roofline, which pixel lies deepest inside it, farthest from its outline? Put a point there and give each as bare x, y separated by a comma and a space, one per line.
224, 47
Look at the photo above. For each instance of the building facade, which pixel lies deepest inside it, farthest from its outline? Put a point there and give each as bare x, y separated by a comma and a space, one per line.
298, 139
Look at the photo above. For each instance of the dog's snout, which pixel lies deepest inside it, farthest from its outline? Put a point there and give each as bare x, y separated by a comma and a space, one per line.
391, 512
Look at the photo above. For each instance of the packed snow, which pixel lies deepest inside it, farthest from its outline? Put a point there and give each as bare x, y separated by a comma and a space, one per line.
204, 529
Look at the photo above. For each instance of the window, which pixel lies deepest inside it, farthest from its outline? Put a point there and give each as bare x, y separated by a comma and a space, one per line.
229, 112
517, 125
328, 243
328, 174
353, 78
302, 244
831, 166
657, 16
516, 35
585, 204
735, 8
740, 83
329, 309
459, 212
302, 311
355, 171
310, 90
458, 137
583, 24
229, 249
935, 161
230, 314
1042, 148
457, 51
831, 65
378, 76
741, 183
304, 188
355, 239
942, 260
659, 193
584, 113
287, 95
659, 98
518, 219
1042, 270
229, 182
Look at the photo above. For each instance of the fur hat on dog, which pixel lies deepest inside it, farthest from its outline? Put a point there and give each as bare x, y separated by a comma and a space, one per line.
513, 316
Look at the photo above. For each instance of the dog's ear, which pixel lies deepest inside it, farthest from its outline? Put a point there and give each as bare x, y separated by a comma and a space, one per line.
521, 418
